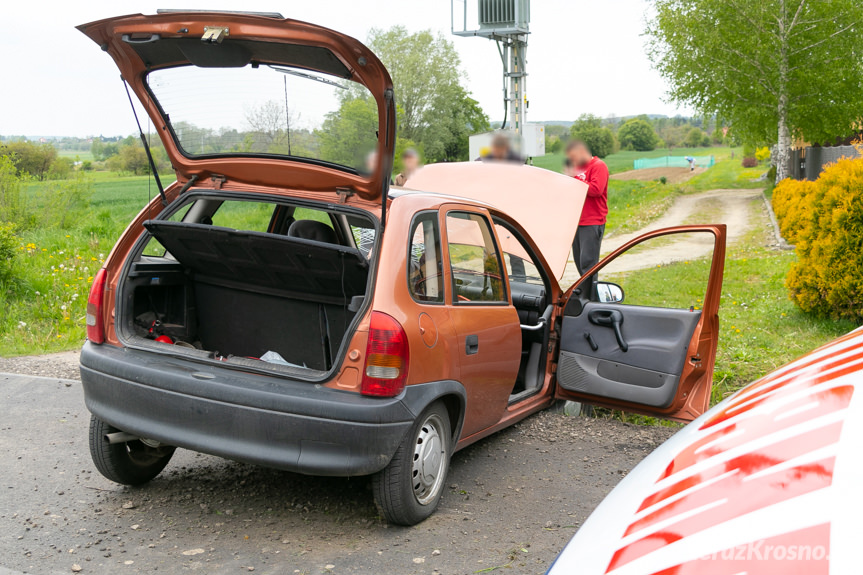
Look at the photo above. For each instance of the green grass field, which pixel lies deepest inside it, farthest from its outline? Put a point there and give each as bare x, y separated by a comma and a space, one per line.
44, 309
76, 154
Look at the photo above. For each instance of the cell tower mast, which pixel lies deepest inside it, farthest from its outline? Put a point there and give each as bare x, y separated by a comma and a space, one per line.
507, 22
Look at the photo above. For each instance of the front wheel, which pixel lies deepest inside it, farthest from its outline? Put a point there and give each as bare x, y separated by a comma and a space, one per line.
129, 463
408, 490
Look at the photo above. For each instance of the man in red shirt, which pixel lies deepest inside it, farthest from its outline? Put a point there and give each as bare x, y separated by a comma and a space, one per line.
593, 172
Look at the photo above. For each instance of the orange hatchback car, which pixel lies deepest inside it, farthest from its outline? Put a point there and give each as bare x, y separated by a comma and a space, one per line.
279, 304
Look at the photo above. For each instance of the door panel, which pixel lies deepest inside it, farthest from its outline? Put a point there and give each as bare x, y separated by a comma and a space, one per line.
647, 372
489, 351
642, 358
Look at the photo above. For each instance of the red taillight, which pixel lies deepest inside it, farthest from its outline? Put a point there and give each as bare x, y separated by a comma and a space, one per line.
387, 356
95, 325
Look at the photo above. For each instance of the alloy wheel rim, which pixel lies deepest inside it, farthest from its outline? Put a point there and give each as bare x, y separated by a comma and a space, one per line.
429, 460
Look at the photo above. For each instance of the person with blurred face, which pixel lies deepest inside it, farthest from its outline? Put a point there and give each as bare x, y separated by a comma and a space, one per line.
410, 164
591, 227
501, 150
371, 161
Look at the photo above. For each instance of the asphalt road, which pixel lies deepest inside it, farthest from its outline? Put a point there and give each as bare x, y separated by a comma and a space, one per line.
513, 501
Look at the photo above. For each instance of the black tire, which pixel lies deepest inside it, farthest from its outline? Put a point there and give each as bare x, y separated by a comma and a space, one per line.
129, 463
409, 489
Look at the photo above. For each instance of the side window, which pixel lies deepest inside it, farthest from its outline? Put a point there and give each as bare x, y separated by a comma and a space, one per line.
474, 259
363, 232
665, 272
425, 267
518, 261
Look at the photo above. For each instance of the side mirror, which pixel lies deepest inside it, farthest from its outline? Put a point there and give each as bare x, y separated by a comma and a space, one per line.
608, 292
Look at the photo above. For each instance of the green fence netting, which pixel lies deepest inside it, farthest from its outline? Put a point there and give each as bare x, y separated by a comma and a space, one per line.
673, 162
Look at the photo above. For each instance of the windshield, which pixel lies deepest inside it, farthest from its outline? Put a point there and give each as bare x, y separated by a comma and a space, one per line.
272, 110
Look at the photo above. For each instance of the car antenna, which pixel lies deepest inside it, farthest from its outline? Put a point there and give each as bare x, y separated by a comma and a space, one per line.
146, 146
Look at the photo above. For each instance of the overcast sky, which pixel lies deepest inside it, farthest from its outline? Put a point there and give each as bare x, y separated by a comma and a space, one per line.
583, 56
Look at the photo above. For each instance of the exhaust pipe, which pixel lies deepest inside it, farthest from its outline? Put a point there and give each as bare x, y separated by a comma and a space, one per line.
120, 437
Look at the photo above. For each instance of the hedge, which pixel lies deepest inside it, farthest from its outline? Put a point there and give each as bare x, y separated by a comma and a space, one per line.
792, 203
825, 219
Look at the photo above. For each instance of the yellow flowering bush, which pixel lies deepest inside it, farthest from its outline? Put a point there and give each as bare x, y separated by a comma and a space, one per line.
792, 203
762, 154
826, 222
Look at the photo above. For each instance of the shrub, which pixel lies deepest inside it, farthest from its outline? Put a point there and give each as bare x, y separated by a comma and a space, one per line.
8, 241
792, 204
588, 129
12, 202
695, 138
638, 135
30, 158
827, 279
762, 154
749, 162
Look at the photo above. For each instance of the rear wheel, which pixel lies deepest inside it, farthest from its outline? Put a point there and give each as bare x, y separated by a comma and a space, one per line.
131, 462
408, 490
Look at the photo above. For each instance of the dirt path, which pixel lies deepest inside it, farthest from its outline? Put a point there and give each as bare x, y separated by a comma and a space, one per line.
734, 208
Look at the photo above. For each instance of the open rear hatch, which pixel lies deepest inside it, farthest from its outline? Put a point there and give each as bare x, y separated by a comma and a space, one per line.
259, 99
287, 298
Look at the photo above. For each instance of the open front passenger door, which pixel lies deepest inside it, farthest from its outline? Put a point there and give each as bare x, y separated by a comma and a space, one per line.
636, 355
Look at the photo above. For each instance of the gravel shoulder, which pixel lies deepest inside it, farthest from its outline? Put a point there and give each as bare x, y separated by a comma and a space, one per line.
62, 365
513, 501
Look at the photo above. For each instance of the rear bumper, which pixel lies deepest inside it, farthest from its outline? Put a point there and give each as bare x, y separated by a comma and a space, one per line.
264, 420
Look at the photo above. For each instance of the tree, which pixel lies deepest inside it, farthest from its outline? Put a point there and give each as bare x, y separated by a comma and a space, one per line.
348, 134
273, 126
637, 134
588, 128
695, 138
435, 110
773, 69
30, 158
97, 149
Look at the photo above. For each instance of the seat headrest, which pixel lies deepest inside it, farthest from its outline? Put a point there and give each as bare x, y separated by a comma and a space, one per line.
313, 230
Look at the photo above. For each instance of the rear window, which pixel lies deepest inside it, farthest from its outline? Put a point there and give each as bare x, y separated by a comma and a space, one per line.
268, 110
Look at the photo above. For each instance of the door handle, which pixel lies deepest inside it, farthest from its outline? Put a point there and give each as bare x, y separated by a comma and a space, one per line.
471, 345
610, 318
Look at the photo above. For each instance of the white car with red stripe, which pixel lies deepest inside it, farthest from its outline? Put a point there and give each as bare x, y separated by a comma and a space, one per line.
766, 482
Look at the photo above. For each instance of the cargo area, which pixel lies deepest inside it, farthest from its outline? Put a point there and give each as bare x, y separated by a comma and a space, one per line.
228, 294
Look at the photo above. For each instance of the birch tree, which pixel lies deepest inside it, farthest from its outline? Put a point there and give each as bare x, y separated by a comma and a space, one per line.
774, 69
